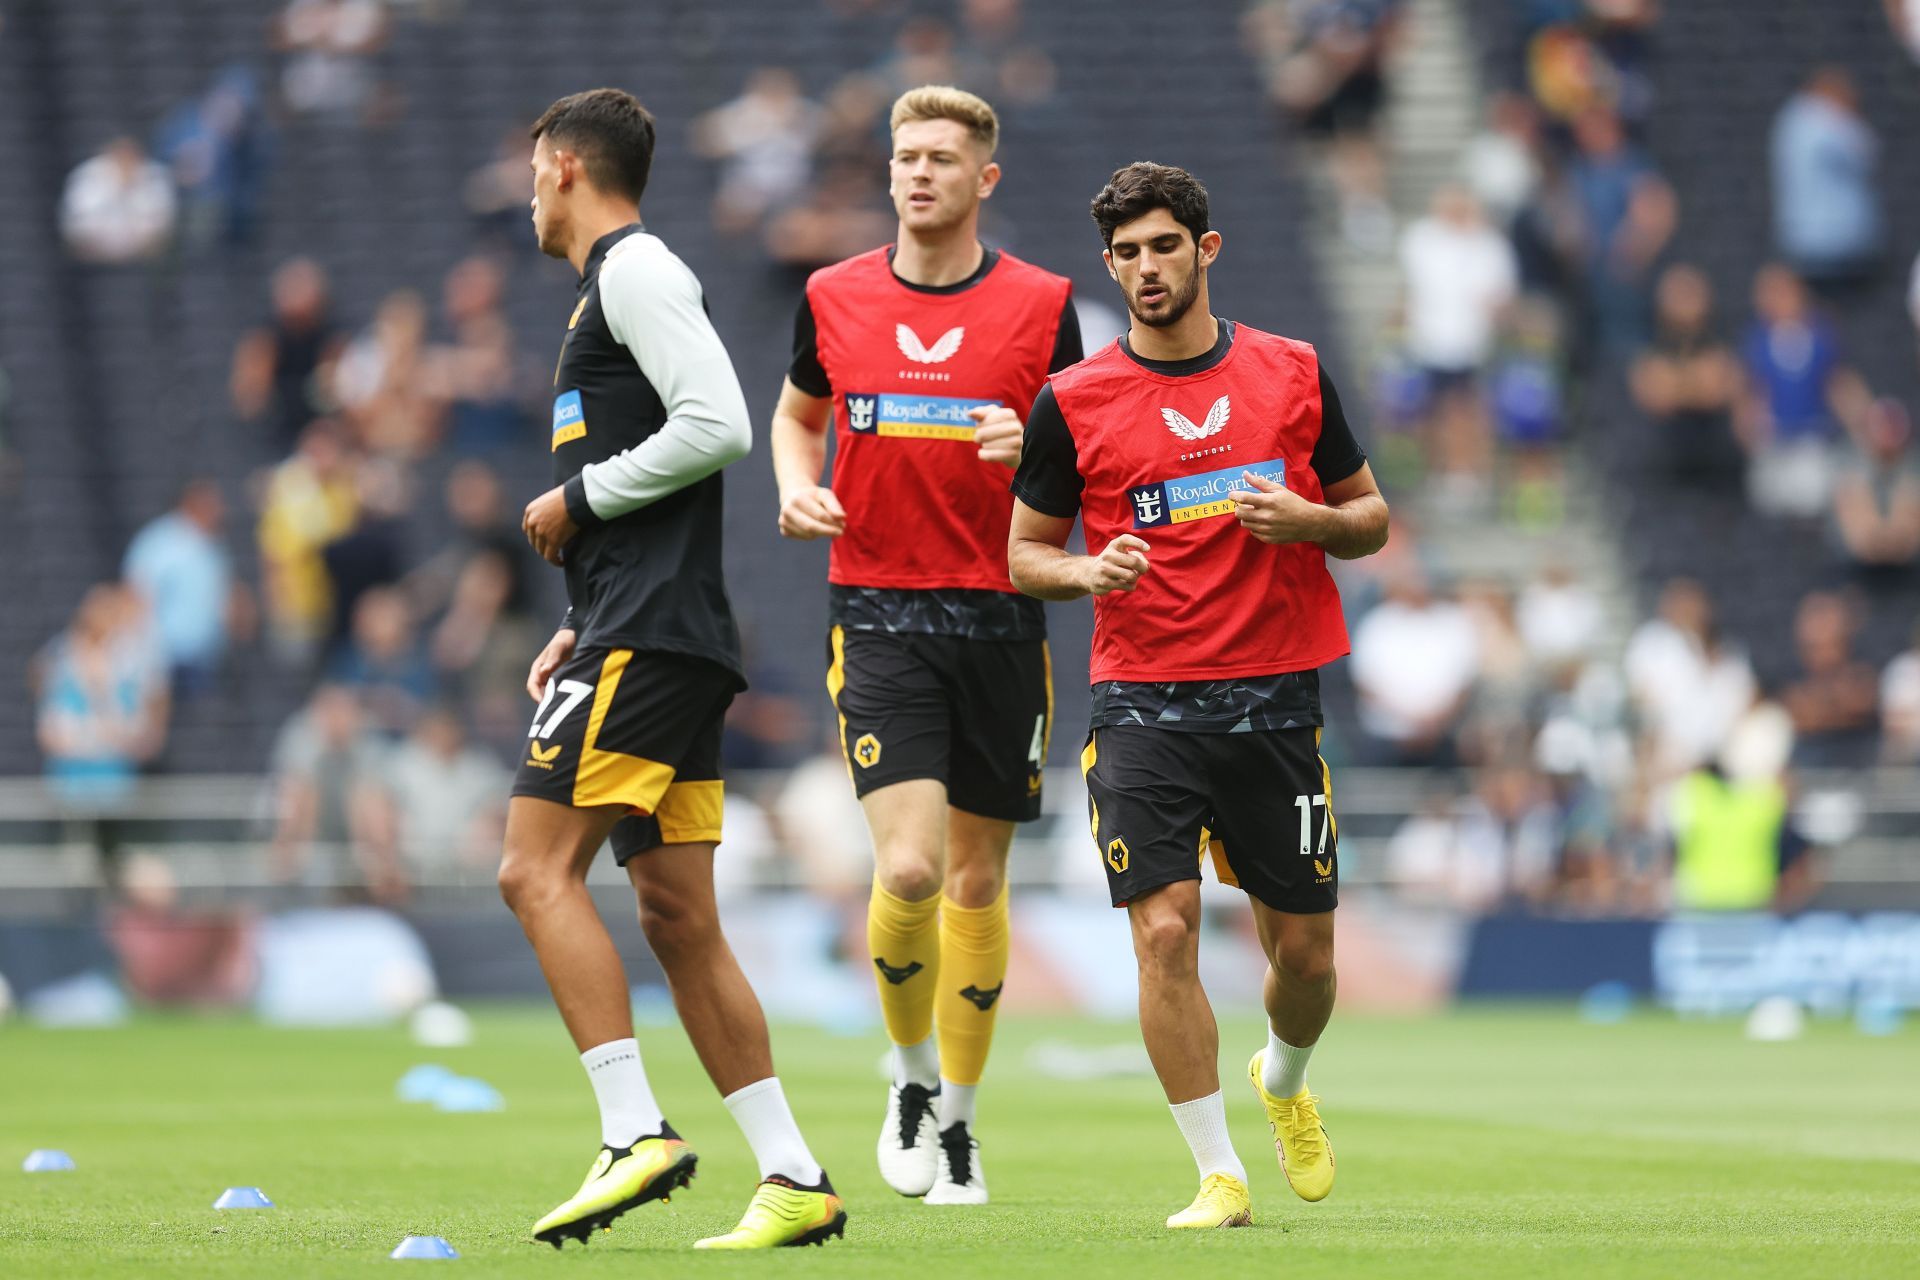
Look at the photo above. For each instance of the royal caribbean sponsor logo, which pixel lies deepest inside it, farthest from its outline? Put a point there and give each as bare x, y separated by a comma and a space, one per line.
1198, 497
569, 419
889, 413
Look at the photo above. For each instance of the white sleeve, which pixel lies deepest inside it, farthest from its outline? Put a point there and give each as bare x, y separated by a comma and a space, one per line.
652, 303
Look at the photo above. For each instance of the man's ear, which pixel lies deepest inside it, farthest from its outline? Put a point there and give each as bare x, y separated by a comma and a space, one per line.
1106, 256
989, 179
1209, 248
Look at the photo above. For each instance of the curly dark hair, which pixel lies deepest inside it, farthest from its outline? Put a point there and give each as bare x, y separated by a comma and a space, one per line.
611, 133
1142, 187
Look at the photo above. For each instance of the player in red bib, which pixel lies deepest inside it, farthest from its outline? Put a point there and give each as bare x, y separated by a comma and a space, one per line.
924, 357
1214, 472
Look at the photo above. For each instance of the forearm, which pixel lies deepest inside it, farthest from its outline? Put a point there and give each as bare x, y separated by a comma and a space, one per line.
1047, 572
1355, 528
799, 453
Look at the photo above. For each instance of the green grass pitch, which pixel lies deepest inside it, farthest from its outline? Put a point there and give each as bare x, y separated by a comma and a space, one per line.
1484, 1143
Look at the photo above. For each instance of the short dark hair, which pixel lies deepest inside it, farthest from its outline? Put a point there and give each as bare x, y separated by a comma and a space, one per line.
611, 133
1140, 188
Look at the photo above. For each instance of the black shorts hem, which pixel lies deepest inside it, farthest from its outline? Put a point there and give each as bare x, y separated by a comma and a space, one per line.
1140, 891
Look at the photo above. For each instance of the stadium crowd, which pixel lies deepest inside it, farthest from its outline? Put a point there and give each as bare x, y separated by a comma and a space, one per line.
1565, 765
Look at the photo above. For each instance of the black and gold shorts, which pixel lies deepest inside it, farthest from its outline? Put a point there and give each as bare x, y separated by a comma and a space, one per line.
1259, 805
640, 729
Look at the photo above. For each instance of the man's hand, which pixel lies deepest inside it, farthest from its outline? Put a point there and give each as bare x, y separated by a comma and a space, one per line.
558, 650
1275, 514
999, 433
812, 512
1119, 568
547, 525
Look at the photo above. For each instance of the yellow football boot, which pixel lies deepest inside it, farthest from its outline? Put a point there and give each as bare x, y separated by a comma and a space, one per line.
622, 1178
1223, 1202
1306, 1154
783, 1213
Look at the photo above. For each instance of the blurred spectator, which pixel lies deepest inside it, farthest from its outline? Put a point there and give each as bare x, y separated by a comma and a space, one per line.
309, 502
1460, 275
1624, 213
329, 46
1687, 383
333, 823
448, 799
372, 552
1900, 705
1561, 618
1729, 820
1589, 53
482, 527
179, 564
1834, 699
1504, 851
1826, 197
1414, 661
763, 141
836, 220
1876, 497
172, 955
383, 663
1501, 165
118, 206
103, 701
218, 148
381, 383
1798, 396
1012, 72
1526, 394
1688, 684
923, 53
1325, 66
1581, 817
474, 375
282, 370
1904, 17
497, 193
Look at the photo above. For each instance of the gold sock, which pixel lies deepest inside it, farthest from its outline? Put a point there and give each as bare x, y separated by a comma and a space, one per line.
974, 942
904, 938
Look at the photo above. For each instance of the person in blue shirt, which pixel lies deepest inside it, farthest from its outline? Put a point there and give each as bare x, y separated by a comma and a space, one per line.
179, 566
1826, 199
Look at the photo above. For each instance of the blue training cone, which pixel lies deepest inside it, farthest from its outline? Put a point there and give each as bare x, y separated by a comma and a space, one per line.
46, 1161
423, 1247
423, 1083
243, 1198
464, 1093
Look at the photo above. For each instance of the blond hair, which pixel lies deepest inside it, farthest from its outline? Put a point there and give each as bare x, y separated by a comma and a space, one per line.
944, 102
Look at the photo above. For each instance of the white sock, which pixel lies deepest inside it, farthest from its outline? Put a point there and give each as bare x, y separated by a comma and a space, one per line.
762, 1113
1284, 1073
627, 1108
954, 1105
1203, 1123
917, 1064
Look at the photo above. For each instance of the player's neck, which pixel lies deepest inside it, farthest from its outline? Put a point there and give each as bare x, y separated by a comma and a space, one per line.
946, 258
590, 224
1189, 338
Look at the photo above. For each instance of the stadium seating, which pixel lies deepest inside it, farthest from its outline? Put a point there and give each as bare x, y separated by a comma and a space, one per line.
120, 374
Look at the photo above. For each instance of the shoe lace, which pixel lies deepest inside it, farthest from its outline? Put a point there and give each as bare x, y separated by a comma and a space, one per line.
958, 1145
916, 1104
1306, 1131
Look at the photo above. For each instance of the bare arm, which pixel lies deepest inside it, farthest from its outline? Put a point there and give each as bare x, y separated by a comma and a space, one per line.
1041, 566
799, 442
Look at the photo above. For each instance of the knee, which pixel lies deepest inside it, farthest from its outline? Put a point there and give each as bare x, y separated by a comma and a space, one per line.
676, 928
1307, 964
526, 883
1167, 942
975, 884
909, 872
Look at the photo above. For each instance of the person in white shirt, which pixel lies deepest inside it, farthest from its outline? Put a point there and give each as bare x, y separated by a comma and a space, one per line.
118, 207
